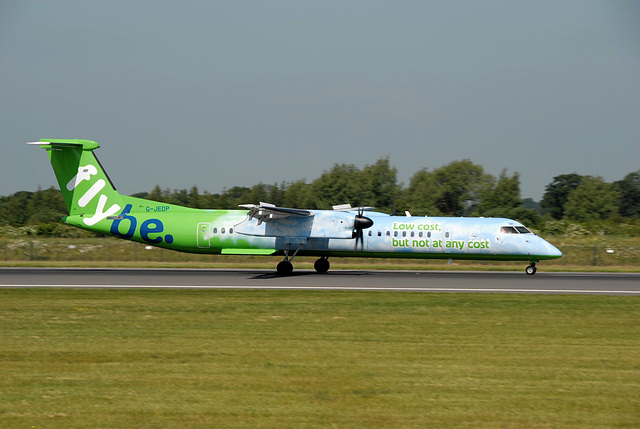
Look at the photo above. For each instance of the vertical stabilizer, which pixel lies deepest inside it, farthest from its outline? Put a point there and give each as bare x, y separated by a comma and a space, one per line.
86, 188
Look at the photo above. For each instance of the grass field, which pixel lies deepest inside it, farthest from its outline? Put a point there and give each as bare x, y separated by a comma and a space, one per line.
312, 359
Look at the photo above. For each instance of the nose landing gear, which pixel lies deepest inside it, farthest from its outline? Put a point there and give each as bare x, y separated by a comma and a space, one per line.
531, 269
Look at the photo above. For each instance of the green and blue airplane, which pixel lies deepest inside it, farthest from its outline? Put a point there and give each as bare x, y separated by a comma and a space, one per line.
265, 229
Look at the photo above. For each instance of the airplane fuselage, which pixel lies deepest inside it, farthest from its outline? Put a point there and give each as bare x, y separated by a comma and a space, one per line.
221, 232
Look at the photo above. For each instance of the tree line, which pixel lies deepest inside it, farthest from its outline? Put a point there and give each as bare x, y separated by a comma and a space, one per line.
460, 188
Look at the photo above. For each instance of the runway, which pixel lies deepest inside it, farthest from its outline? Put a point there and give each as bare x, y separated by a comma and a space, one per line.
400, 281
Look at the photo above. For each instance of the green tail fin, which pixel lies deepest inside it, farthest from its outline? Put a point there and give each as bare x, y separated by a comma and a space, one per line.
86, 188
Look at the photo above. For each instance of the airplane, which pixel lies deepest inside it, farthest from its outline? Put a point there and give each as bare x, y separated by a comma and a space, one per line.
265, 229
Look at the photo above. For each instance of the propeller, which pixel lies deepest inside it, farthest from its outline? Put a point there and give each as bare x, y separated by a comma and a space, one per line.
360, 223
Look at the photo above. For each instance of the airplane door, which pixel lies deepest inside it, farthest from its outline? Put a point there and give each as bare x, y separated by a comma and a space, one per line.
473, 237
478, 243
204, 237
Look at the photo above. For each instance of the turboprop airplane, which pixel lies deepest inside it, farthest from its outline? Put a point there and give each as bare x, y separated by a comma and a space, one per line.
265, 229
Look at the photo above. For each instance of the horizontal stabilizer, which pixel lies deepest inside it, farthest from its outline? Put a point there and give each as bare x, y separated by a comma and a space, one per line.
71, 143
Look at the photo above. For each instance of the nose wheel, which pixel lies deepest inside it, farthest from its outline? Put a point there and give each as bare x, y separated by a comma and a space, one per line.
531, 269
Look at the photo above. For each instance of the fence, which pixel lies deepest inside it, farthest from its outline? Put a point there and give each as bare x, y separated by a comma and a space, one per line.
617, 252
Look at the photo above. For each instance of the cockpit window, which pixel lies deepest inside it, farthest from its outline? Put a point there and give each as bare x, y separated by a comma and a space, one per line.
514, 230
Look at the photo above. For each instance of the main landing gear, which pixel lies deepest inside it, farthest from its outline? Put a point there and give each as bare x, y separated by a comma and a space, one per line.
531, 269
322, 265
285, 268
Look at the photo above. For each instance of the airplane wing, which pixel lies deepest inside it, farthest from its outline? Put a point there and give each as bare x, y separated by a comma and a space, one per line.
266, 212
297, 225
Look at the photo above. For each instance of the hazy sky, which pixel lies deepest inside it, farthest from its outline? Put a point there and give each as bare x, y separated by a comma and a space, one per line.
218, 94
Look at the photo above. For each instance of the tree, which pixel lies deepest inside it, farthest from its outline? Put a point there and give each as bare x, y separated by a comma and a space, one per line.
460, 185
557, 193
195, 201
156, 194
298, 195
144, 195
46, 207
340, 185
629, 189
592, 200
529, 203
258, 193
503, 197
234, 197
526, 216
210, 201
180, 197
421, 197
275, 194
378, 185
14, 209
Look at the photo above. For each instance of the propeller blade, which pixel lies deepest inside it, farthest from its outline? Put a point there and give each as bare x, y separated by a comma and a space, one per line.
360, 223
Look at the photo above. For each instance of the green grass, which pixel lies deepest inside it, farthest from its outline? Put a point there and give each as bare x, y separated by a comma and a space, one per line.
285, 359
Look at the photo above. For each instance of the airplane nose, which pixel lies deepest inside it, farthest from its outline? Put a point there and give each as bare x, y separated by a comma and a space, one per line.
552, 251
543, 248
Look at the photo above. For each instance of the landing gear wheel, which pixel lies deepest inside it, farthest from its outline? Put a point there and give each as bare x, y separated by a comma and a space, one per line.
321, 265
284, 268
531, 269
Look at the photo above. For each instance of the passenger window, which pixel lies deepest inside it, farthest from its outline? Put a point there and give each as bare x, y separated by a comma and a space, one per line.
446, 235
404, 233
388, 234
395, 233
215, 230
429, 234
413, 234
369, 233
222, 231
230, 230
379, 233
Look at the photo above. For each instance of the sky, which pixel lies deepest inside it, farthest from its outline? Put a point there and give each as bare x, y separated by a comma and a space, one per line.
222, 94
